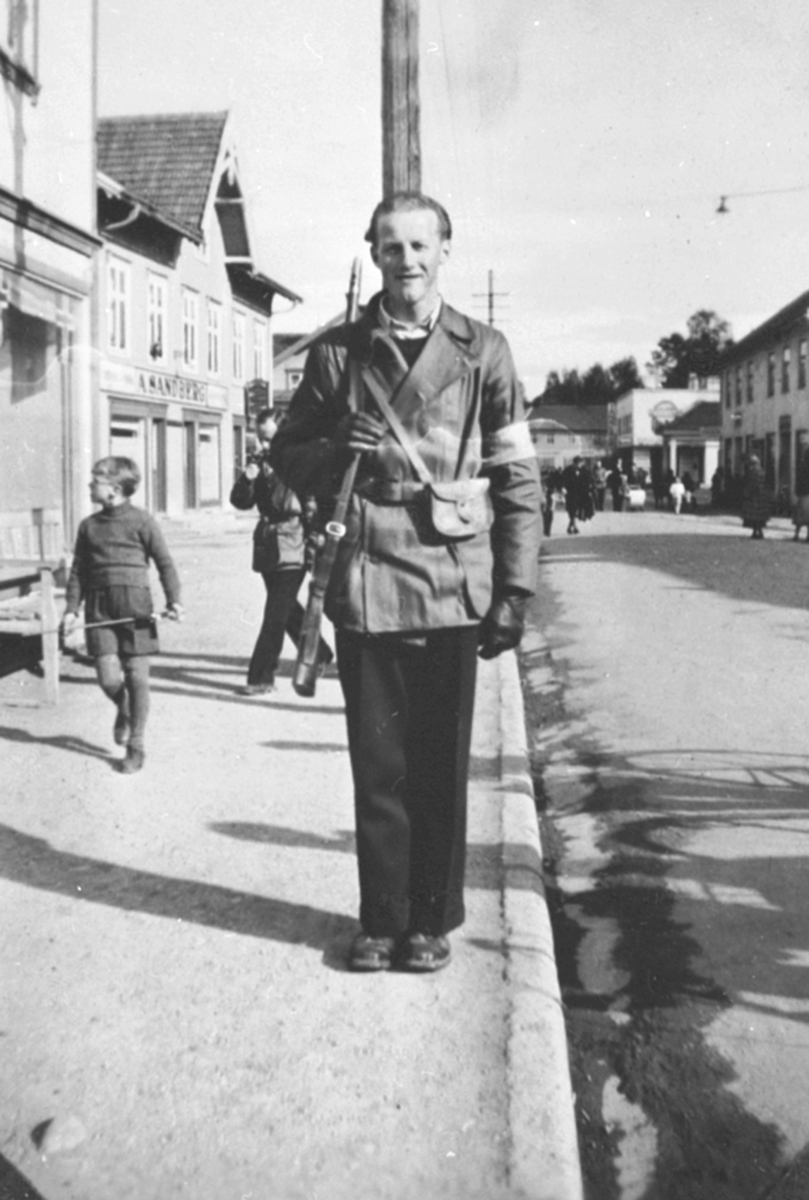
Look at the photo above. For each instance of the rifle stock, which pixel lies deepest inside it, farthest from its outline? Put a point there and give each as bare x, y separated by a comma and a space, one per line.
304, 679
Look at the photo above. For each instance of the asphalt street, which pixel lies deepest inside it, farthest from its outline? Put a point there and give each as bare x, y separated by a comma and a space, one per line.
666, 685
176, 1018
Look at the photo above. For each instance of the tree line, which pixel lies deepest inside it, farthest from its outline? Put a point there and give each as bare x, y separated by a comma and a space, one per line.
673, 361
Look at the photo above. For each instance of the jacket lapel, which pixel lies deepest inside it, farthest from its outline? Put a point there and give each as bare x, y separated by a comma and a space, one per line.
447, 356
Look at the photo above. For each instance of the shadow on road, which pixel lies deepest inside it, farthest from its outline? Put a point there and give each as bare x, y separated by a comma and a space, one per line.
14, 1185
774, 571
76, 745
33, 862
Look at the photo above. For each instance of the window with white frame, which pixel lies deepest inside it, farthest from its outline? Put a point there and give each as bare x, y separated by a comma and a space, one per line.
214, 338
238, 347
118, 284
156, 316
190, 324
802, 363
259, 350
786, 358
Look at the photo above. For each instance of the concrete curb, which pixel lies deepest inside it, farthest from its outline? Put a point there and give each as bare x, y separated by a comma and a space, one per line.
544, 1151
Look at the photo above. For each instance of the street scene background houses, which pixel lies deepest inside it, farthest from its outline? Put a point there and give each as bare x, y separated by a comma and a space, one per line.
137, 320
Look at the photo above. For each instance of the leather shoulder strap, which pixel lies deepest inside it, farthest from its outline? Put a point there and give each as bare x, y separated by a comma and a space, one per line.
377, 390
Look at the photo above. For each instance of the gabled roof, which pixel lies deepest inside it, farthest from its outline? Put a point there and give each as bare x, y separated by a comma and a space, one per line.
705, 414
578, 418
774, 327
166, 165
168, 159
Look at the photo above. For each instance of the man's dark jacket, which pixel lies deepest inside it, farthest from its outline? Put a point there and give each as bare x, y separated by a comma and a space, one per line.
465, 413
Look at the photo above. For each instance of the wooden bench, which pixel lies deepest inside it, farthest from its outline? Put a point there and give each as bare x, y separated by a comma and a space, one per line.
29, 624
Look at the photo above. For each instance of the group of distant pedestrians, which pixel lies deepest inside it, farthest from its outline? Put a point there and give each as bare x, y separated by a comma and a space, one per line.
584, 489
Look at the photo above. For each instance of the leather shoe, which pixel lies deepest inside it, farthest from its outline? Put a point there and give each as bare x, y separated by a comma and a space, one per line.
424, 952
133, 762
371, 953
255, 689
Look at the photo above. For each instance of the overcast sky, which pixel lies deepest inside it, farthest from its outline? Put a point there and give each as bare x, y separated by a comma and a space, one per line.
581, 147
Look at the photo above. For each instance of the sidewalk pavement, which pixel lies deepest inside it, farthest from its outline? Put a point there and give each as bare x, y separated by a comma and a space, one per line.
178, 1019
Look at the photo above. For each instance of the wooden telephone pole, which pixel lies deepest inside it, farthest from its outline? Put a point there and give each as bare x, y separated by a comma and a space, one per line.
401, 144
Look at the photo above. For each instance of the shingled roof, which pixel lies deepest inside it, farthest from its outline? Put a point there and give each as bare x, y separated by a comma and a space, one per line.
705, 415
578, 418
168, 159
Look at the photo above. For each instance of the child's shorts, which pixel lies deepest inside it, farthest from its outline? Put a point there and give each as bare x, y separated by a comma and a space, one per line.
109, 604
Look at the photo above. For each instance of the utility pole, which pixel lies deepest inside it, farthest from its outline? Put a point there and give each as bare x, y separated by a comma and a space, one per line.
491, 295
401, 144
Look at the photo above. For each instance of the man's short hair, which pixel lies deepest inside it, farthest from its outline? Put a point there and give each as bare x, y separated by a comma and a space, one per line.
121, 471
409, 202
265, 414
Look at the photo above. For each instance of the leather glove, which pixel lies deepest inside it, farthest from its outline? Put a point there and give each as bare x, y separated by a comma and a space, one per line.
502, 627
359, 431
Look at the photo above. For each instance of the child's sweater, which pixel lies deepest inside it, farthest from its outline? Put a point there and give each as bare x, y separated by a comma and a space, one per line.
115, 548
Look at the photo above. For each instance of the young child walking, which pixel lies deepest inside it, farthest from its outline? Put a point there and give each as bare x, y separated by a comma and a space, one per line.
110, 573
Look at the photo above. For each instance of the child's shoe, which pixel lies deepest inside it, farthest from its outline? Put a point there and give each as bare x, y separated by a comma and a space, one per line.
134, 760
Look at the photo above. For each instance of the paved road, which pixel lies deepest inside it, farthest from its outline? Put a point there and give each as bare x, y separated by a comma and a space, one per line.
666, 675
176, 1018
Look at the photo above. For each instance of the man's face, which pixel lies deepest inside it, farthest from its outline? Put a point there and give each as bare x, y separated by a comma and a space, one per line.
266, 432
409, 251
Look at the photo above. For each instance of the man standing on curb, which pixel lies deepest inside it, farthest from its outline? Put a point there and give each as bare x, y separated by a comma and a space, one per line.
436, 565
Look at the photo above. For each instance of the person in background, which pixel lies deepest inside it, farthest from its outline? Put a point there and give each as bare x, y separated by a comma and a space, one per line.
430, 401
599, 484
110, 575
717, 487
677, 493
551, 481
756, 505
800, 515
577, 484
279, 556
618, 485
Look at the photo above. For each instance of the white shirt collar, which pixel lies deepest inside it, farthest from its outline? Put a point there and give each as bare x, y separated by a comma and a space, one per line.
400, 330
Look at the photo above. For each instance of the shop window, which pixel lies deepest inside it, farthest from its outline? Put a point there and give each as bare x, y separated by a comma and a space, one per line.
127, 439
156, 317
28, 339
118, 283
209, 489
190, 311
238, 347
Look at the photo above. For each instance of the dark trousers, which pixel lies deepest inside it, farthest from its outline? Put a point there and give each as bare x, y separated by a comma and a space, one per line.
282, 614
409, 714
